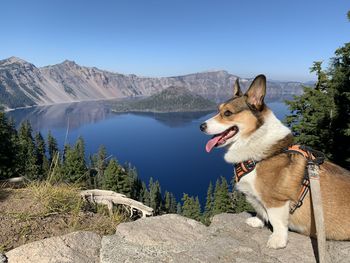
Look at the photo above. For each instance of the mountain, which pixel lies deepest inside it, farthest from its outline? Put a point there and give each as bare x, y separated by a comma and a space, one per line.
171, 99
24, 84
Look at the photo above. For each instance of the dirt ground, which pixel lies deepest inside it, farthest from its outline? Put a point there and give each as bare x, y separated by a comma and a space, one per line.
23, 220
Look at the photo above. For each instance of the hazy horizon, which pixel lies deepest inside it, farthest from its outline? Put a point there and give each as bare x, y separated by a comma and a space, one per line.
163, 38
169, 76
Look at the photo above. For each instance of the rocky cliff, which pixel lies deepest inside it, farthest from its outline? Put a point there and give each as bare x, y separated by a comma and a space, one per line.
24, 84
172, 238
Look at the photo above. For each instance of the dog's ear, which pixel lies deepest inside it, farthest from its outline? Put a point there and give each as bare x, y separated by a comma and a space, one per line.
237, 89
256, 92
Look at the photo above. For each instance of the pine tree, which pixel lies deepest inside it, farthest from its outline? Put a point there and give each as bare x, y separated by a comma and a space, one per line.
170, 203
155, 196
66, 148
136, 189
339, 81
74, 169
313, 113
227, 204
320, 116
79, 147
135, 182
217, 198
173, 204
52, 146
98, 163
8, 148
208, 211
197, 209
179, 208
145, 195
27, 152
42, 162
191, 207
125, 182
187, 206
222, 201
116, 179
111, 176
167, 202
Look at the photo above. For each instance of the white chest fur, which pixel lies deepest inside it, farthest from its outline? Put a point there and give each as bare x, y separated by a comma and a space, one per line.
247, 186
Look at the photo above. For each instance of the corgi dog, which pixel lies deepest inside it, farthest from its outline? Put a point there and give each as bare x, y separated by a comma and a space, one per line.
250, 131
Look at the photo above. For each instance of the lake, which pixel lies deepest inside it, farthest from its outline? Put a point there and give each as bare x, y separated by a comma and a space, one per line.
166, 146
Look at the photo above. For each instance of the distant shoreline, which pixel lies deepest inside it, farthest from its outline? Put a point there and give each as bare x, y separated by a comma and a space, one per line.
62, 103
112, 110
157, 111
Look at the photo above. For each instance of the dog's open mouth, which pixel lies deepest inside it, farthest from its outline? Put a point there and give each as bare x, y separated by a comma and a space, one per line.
220, 139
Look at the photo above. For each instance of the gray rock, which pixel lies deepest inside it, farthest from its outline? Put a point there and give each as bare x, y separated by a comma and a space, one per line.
168, 230
172, 238
3, 258
77, 247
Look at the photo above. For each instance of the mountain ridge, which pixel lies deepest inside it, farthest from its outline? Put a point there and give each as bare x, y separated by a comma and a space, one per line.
23, 84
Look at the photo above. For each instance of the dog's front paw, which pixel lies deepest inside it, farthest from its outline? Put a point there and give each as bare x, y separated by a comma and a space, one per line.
254, 222
277, 241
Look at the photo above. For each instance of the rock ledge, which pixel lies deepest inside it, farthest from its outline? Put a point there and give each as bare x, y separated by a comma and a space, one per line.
173, 238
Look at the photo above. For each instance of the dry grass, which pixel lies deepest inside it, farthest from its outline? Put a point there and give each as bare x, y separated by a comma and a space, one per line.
44, 209
56, 198
65, 199
50, 208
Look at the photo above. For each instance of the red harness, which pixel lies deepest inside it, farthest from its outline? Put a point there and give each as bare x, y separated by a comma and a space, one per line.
243, 168
312, 156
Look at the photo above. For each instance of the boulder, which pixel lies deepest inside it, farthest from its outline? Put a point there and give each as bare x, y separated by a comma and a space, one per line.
77, 247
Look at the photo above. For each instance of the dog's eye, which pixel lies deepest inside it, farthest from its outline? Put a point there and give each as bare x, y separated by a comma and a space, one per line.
227, 113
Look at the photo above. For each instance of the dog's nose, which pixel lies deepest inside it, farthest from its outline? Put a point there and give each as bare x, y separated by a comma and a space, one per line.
203, 126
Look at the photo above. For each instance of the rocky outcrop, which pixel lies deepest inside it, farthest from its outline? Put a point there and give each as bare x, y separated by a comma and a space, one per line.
173, 238
78, 247
23, 84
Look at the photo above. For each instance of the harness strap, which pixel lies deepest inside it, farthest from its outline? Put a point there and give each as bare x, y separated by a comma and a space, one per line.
243, 168
313, 157
305, 186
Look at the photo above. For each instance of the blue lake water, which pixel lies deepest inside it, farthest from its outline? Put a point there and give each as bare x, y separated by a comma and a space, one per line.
168, 147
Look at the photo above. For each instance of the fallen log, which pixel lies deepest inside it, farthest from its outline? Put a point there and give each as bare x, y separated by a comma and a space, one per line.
111, 198
14, 181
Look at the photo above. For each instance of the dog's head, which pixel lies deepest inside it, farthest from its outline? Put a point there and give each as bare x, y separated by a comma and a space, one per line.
238, 117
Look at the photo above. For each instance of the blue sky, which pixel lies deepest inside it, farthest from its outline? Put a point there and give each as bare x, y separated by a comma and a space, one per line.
162, 38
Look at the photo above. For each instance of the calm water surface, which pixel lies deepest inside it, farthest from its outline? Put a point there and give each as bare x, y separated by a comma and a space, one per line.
168, 147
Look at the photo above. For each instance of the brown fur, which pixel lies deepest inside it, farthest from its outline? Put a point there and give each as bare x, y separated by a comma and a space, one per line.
335, 191
279, 180
241, 113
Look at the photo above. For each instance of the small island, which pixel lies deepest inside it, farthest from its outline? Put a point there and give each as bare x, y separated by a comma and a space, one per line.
171, 99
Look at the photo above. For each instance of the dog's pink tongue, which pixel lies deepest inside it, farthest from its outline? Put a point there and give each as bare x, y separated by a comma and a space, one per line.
211, 143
